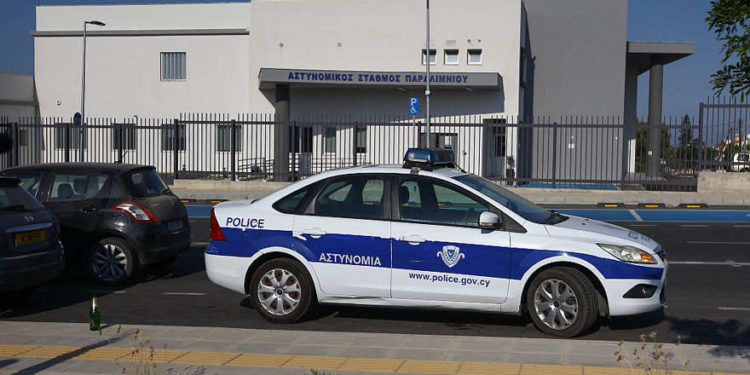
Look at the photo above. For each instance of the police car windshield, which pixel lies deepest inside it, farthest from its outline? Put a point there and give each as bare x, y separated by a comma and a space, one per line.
512, 201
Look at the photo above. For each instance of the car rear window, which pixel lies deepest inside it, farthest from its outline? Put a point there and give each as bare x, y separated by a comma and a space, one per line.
14, 198
145, 183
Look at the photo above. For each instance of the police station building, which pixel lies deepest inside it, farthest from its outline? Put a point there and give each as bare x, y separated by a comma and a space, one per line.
518, 59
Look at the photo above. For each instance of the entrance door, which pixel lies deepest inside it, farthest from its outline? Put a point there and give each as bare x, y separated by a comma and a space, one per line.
348, 236
439, 252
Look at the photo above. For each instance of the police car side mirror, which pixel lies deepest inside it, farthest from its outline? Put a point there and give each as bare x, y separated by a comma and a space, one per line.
489, 220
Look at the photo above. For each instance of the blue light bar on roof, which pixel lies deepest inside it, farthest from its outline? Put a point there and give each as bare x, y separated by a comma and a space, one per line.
429, 156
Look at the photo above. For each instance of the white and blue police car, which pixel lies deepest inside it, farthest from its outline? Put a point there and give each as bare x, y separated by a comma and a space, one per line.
427, 234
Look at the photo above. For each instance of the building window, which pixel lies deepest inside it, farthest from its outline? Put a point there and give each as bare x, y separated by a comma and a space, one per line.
499, 136
173, 66
451, 57
75, 136
302, 140
474, 56
329, 140
433, 59
168, 137
361, 140
123, 135
224, 137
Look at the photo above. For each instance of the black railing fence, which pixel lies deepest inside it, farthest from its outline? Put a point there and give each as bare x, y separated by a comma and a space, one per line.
568, 152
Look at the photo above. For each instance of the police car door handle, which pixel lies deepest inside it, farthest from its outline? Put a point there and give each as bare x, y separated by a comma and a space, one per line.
314, 232
412, 239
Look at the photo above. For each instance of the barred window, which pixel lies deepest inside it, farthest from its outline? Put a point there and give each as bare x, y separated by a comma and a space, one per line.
329, 140
224, 137
168, 135
173, 66
361, 140
75, 136
123, 135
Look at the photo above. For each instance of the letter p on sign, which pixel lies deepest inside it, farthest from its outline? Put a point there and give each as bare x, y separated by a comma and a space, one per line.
413, 105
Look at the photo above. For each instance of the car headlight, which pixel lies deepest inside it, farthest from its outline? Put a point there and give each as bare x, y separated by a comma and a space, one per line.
629, 254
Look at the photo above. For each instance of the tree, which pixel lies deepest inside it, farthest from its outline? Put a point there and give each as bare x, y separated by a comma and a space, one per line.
686, 132
730, 20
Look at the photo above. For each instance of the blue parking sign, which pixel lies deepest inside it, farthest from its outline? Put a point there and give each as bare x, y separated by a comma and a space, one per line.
413, 105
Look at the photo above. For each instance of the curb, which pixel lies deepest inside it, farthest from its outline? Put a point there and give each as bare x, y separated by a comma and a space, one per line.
306, 362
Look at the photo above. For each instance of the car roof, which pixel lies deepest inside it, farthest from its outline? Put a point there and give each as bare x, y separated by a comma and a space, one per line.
98, 167
387, 169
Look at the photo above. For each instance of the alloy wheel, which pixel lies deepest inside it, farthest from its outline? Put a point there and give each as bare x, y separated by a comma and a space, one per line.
556, 304
109, 262
279, 292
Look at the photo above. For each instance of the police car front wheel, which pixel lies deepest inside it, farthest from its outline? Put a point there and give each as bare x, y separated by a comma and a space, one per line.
281, 291
562, 302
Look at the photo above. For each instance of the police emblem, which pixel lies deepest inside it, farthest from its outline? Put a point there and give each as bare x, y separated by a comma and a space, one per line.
450, 255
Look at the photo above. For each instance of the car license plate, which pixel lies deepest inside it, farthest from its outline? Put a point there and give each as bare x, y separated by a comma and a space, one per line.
30, 237
174, 226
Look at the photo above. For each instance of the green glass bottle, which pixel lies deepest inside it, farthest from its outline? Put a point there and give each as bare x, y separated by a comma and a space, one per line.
94, 317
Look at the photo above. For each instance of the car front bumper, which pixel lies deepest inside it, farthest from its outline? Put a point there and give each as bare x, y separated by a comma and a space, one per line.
621, 306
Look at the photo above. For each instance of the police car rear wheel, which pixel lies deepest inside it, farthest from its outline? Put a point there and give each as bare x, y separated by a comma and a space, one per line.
562, 302
281, 291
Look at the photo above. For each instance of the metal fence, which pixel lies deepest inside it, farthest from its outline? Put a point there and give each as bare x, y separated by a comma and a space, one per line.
569, 152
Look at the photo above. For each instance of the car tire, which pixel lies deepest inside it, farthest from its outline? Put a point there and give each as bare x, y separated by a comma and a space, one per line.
276, 301
111, 261
562, 302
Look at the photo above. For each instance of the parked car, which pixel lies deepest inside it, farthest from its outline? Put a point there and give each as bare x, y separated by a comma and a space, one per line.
740, 162
30, 250
114, 217
429, 235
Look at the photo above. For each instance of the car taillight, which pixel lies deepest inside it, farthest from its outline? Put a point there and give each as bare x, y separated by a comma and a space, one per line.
215, 232
138, 213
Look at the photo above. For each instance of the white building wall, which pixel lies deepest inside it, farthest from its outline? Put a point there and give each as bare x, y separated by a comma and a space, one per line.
386, 35
16, 96
123, 72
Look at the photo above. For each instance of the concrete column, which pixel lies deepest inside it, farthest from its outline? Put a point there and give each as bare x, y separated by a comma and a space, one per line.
656, 84
630, 120
281, 134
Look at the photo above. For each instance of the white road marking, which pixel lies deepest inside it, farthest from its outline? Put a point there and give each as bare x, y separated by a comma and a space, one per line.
741, 226
635, 215
693, 225
718, 242
106, 291
183, 294
734, 308
699, 263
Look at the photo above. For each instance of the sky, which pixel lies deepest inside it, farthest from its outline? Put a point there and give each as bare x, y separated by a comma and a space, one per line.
686, 82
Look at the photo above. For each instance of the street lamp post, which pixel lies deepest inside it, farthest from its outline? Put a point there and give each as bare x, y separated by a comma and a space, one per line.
427, 65
82, 130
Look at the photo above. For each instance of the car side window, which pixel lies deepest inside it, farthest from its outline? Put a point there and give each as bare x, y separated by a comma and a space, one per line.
429, 201
292, 203
359, 197
30, 182
76, 186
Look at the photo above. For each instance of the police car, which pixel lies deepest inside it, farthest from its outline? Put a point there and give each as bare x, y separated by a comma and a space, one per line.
427, 234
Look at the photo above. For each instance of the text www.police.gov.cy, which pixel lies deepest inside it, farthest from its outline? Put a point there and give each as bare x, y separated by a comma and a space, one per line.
450, 279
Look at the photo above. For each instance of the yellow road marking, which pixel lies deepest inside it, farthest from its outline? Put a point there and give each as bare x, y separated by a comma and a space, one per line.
430, 367
104, 354
371, 365
551, 370
206, 358
476, 368
261, 360
315, 362
14, 350
48, 352
386, 365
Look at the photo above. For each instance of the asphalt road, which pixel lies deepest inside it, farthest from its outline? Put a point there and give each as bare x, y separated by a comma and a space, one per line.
708, 297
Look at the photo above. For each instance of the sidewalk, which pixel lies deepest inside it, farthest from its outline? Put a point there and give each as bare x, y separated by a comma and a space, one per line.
207, 190
66, 348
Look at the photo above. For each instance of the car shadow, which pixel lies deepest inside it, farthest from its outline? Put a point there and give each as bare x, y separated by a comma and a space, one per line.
74, 288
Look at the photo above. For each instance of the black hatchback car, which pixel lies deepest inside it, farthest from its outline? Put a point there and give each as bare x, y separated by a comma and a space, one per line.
114, 217
30, 249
